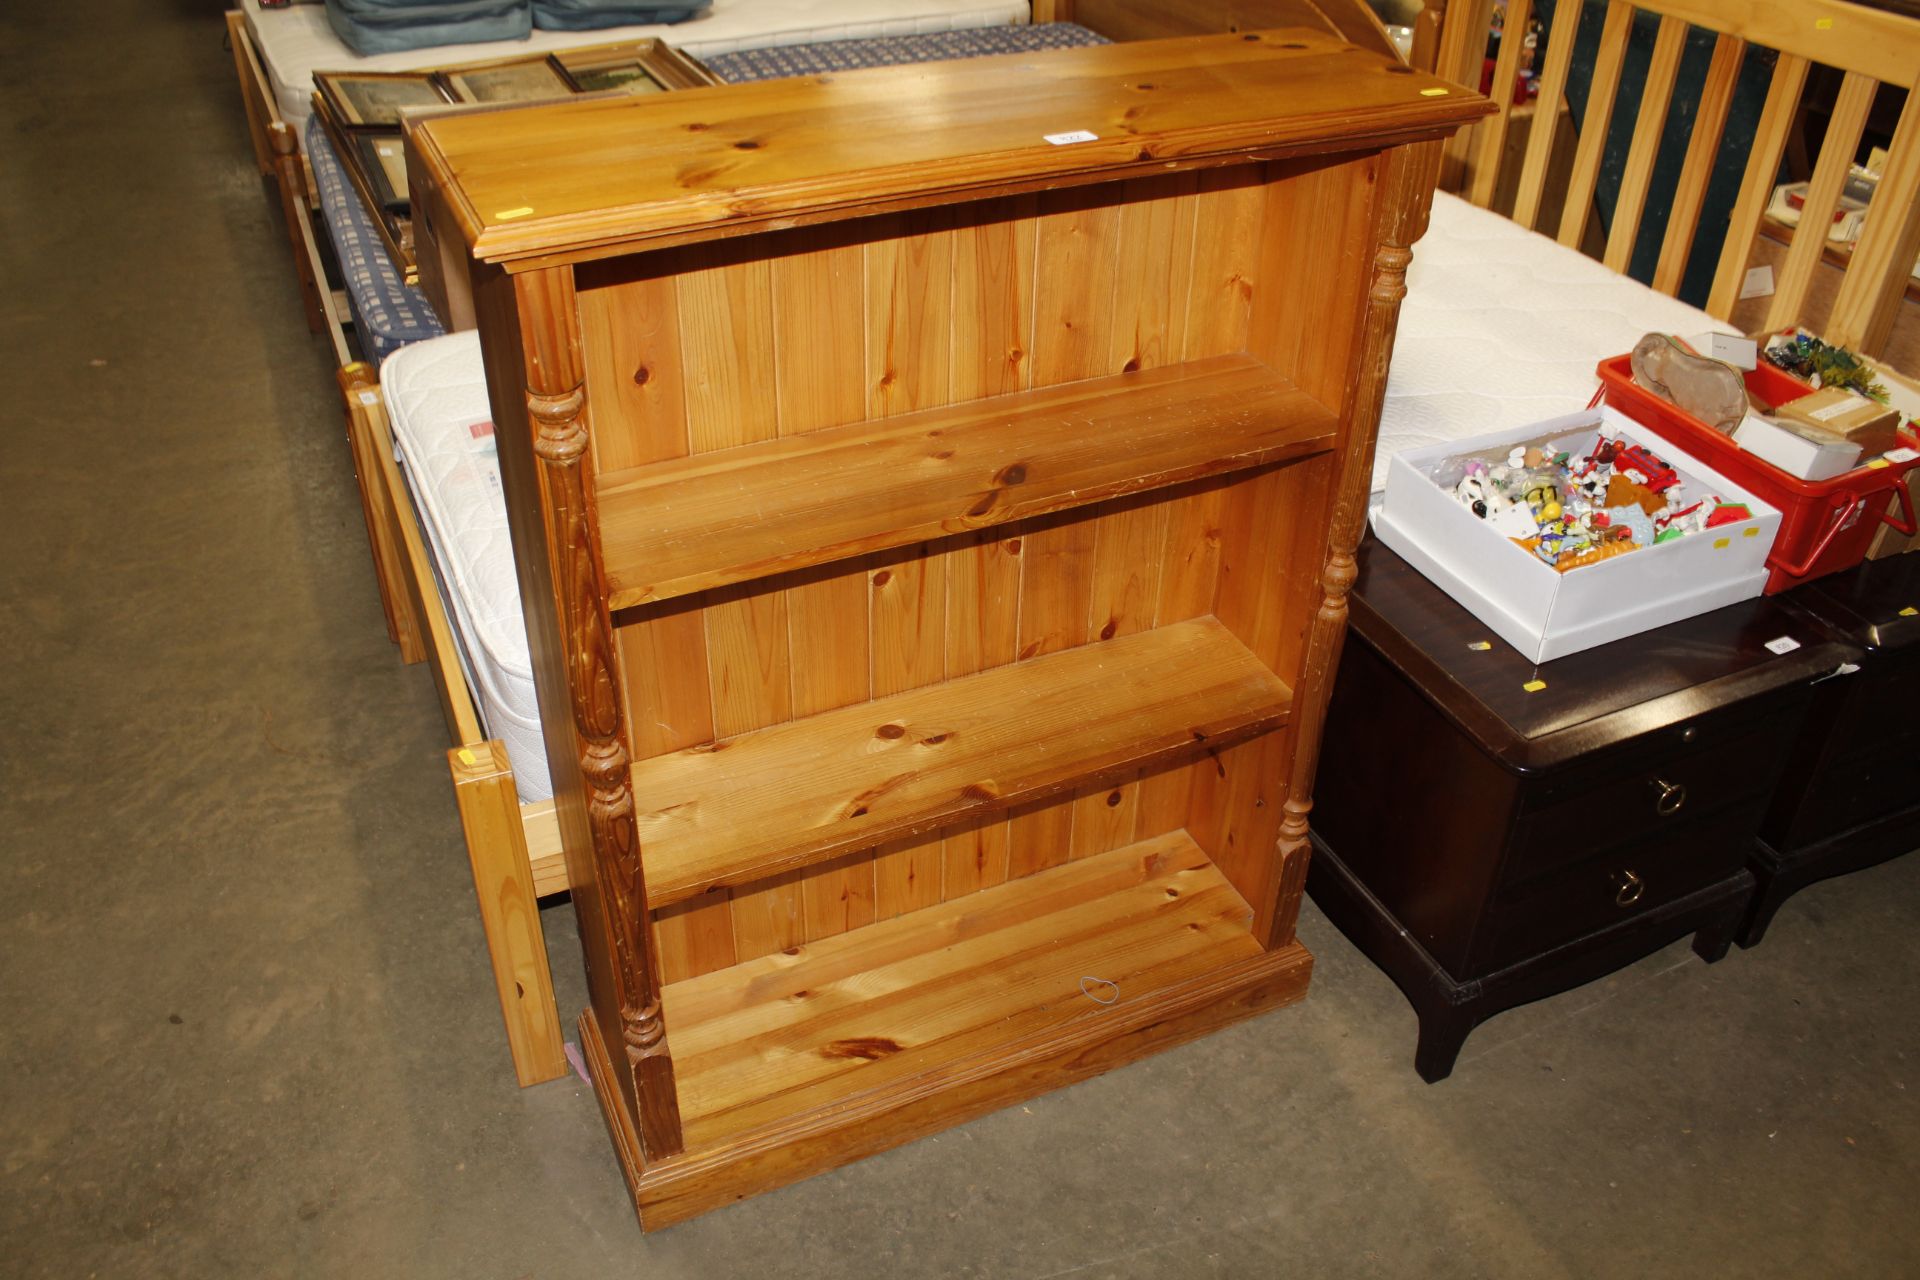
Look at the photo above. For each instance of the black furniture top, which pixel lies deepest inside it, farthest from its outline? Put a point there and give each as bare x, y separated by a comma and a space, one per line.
1589, 700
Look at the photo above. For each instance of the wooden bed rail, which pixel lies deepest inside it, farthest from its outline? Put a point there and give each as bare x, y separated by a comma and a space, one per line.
1869, 47
513, 849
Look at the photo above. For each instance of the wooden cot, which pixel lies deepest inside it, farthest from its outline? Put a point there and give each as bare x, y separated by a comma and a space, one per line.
1872, 48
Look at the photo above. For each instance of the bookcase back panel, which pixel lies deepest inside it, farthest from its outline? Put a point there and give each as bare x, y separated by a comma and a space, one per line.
908, 618
698, 349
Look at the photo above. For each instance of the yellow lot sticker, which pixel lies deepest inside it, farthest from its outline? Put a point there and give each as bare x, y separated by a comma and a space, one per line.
1534, 686
1481, 646
1909, 611
1751, 531
467, 756
508, 215
1433, 93
1721, 544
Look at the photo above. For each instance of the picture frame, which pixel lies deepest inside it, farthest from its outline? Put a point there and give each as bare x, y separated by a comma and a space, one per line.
375, 99
383, 159
536, 79
635, 67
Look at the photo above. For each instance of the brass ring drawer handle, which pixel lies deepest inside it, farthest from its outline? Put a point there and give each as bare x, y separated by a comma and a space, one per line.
1631, 887
1668, 797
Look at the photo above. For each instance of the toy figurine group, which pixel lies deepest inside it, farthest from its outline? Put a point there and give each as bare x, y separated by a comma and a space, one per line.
1572, 509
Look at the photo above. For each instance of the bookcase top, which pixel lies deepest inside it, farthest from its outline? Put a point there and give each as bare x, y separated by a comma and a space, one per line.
602, 176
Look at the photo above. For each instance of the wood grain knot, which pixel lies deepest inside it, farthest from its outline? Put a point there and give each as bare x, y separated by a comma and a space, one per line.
1015, 473
866, 1048
1133, 362
883, 577
981, 791
1107, 632
934, 739
698, 127
1146, 88
891, 731
642, 376
747, 144
1012, 545
1113, 800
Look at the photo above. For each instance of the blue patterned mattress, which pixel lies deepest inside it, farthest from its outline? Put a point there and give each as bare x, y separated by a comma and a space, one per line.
387, 315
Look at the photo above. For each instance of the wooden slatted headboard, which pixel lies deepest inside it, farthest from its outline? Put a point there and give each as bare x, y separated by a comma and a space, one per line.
1869, 47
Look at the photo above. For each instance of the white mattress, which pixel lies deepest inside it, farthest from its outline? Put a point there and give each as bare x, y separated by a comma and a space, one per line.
296, 42
1502, 327
436, 393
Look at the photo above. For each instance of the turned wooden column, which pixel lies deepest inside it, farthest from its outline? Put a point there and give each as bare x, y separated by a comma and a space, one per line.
1405, 196
558, 419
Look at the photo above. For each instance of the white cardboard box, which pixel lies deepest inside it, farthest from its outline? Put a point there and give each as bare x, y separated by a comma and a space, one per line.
1546, 614
1798, 450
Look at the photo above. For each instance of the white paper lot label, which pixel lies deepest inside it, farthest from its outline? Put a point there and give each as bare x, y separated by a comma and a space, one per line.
1068, 139
1839, 408
1783, 644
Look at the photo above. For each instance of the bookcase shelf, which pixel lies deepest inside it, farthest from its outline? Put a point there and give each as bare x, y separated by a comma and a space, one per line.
900, 998
801, 792
671, 528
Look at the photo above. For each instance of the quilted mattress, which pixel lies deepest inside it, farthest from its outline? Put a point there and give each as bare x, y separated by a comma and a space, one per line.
295, 42
436, 393
1502, 327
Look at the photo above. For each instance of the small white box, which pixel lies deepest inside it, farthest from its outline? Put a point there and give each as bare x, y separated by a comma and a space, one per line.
1741, 353
1546, 614
1798, 450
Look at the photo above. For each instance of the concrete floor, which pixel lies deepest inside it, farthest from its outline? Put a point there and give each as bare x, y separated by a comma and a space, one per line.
248, 1028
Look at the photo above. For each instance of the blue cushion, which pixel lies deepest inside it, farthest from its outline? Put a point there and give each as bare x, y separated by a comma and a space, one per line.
387, 26
387, 313
883, 51
591, 15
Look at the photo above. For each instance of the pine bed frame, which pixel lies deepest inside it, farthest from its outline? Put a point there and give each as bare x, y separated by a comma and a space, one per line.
1871, 47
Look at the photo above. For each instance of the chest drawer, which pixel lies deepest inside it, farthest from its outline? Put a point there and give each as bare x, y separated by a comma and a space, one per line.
1666, 788
1616, 886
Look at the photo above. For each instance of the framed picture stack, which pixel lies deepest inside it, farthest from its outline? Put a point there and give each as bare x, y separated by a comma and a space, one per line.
362, 111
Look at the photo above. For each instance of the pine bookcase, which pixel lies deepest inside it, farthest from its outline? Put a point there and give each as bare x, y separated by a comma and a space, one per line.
934, 537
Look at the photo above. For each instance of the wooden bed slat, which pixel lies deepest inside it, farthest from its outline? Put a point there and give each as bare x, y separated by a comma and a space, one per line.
1546, 115
1462, 48
1648, 126
1690, 192
818, 787
1844, 128
1593, 125
1756, 184
1872, 290
1491, 141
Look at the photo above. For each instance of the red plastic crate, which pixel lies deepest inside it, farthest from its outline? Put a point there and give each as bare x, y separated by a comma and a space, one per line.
1825, 525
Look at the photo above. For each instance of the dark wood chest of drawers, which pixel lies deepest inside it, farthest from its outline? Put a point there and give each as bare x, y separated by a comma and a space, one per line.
1487, 843
1850, 796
